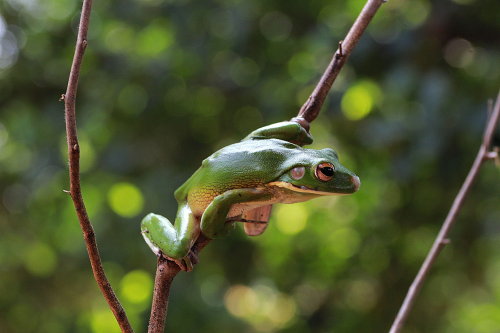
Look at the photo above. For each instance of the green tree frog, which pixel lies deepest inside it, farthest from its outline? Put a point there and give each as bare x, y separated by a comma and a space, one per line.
241, 182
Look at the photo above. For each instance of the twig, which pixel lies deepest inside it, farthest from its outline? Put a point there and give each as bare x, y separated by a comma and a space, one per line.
310, 110
166, 271
165, 274
74, 172
442, 238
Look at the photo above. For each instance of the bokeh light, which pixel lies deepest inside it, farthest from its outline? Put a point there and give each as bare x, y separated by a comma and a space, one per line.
359, 100
459, 52
125, 199
291, 219
103, 321
40, 259
262, 306
136, 287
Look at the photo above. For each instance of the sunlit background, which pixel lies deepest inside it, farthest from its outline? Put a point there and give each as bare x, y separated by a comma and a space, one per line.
166, 83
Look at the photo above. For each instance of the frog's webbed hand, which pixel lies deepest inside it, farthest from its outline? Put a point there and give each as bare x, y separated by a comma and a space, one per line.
172, 241
290, 131
213, 222
257, 220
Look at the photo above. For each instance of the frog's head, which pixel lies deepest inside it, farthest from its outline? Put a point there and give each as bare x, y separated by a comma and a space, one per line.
320, 173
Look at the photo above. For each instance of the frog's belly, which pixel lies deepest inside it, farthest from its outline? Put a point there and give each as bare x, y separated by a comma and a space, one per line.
201, 199
235, 210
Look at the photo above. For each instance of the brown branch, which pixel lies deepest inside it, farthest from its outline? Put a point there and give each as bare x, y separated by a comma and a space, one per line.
165, 274
442, 238
310, 110
74, 172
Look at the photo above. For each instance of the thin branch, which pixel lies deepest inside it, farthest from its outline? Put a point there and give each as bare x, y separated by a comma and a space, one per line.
166, 270
74, 172
165, 274
310, 110
442, 238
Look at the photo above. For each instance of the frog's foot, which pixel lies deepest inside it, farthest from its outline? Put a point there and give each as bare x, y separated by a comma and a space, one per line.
175, 244
156, 250
185, 264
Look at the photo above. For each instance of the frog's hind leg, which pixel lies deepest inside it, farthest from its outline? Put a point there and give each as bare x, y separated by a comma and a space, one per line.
213, 222
173, 241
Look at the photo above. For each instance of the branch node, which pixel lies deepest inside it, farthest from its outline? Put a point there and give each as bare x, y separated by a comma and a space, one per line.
67, 192
445, 241
75, 147
491, 155
61, 99
340, 53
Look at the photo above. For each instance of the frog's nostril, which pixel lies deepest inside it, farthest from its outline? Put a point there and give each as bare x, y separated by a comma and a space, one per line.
356, 182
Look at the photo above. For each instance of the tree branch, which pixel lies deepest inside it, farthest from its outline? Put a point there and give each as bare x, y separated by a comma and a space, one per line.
167, 270
311, 108
74, 172
442, 238
165, 274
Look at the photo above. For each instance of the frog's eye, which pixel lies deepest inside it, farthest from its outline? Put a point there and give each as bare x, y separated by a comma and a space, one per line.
298, 172
325, 171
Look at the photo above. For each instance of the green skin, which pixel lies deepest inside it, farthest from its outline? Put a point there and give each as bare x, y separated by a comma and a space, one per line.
240, 182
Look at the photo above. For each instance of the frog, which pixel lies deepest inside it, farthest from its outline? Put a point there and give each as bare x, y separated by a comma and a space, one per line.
240, 183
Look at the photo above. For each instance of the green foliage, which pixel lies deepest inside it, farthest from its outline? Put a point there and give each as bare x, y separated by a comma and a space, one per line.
165, 83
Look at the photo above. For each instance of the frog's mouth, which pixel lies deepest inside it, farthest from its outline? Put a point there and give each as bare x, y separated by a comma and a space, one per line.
302, 188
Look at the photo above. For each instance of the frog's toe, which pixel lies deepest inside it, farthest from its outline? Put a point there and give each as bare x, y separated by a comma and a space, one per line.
149, 241
189, 264
194, 257
185, 264
180, 263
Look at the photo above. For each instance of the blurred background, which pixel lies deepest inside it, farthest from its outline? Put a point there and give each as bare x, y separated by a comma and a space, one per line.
166, 83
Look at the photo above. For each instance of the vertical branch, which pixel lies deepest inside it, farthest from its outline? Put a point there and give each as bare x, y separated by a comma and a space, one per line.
310, 110
74, 172
442, 238
165, 274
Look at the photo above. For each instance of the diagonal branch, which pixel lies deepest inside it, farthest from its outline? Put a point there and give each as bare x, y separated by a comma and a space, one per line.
166, 271
74, 172
311, 108
442, 238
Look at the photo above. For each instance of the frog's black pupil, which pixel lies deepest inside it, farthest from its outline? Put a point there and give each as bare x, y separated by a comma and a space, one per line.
327, 171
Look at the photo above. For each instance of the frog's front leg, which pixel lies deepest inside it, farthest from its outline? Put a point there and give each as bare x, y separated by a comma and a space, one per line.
173, 241
213, 222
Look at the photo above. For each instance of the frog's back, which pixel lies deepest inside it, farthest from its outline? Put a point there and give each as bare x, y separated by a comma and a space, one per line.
246, 164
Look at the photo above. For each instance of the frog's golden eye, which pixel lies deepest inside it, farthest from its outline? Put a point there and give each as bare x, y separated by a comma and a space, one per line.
325, 171
298, 172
